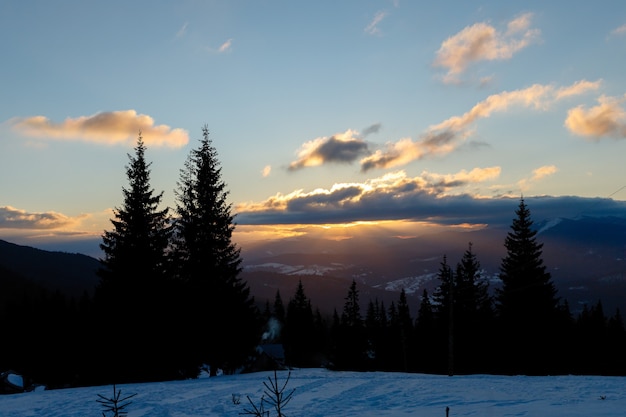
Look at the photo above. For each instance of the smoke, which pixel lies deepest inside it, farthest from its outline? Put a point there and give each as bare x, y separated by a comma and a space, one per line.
273, 329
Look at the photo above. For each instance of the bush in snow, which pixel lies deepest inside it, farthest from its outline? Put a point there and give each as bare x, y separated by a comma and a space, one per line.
115, 404
276, 398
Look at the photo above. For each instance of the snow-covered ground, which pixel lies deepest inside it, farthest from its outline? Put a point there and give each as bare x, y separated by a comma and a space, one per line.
323, 393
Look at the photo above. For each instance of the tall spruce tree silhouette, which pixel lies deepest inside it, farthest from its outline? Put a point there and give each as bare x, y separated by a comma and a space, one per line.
527, 303
219, 306
299, 330
132, 277
473, 314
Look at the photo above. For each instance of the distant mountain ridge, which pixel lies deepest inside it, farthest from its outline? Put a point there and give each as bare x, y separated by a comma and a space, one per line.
69, 273
586, 257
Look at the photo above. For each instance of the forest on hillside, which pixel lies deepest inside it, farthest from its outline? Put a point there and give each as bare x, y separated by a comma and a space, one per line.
170, 301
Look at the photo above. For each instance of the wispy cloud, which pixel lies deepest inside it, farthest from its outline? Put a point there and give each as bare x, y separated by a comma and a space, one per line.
182, 31
619, 31
266, 171
108, 128
13, 218
445, 137
607, 119
537, 175
372, 28
483, 42
340, 148
226, 46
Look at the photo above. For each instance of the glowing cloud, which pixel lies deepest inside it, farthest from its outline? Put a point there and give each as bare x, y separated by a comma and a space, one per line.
537, 175
445, 137
266, 171
340, 148
391, 196
108, 128
608, 118
13, 218
482, 42
543, 172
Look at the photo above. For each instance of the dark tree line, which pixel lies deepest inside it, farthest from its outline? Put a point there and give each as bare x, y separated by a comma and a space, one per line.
170, 301
521, 327
172, 283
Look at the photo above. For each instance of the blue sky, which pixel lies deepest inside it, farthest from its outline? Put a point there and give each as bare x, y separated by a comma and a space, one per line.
323, 113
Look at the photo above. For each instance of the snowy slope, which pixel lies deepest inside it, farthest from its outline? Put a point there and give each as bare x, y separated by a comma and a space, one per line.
322, 393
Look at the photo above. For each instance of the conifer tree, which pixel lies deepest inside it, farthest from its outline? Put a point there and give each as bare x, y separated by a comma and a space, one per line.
209, 263
135, 249
299, 331
444, 297
132, 275
473, 314
352, 340
426, 342
279, 308
527, 303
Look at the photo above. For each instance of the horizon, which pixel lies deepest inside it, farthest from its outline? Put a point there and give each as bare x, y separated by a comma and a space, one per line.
401, 116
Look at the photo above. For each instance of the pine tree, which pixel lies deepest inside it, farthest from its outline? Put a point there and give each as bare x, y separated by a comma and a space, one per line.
426, 342
131, 293
299, 331
209, 263
405, 328
527, 303
279, 308
473, 314
444, 297
135, 249
351, 345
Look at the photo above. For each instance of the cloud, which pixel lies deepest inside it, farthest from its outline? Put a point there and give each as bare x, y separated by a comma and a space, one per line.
537, 175
267, 170
426, 198
619, 31
13, 218
182, 31
375, 128
340, 148
543, 172
607, 119
108, 128
483, 42
445, 137
226, 46
393, 196
372, 28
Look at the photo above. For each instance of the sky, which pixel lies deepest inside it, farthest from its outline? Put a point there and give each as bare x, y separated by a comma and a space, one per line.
323, 393
325, 115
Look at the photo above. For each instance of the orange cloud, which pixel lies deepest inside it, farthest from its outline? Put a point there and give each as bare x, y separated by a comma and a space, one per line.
537, 175
483, 42
445, 137
543, 172
391, 185
608, 118
109, 128
13, 218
